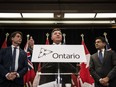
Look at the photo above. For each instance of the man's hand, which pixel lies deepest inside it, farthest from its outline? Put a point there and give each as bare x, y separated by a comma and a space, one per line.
11, 75
104, 81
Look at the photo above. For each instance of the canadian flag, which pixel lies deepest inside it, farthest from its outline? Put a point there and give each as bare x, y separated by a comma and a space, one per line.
85, 77
75, 81
37, 76
4, 45
47, 41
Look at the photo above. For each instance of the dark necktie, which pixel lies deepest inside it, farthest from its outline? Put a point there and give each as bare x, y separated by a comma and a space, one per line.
14, 57
101, 56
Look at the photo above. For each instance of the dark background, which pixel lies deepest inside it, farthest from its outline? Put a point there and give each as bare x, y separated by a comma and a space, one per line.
72, 35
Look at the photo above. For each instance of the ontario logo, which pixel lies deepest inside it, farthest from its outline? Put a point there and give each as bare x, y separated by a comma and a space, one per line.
44, 52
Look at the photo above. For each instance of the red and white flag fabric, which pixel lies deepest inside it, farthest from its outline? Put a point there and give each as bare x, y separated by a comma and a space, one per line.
75, 81
37, 77
4, 45
47, 42
30, 75
85, 77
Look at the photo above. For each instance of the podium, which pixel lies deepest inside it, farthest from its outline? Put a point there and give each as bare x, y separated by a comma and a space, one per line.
58, 54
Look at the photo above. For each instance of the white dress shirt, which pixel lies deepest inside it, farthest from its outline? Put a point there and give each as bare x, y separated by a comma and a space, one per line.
103, 50
17, 56
57, 44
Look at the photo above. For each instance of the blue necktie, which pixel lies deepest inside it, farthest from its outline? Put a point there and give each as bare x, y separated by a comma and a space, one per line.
14, 57
101, 56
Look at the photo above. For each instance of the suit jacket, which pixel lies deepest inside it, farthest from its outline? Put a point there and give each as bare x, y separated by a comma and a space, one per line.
6, 62
107, 68
53, 68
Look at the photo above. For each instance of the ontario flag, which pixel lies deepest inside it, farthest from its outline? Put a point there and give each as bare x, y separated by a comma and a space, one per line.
29, 76
85, 77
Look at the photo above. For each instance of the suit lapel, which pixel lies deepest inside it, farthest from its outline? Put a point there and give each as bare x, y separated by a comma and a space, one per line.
105, 56
20, 54
10, 53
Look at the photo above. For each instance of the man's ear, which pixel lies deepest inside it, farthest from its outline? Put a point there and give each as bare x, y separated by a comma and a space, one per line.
51, 38
104, 44
12, 39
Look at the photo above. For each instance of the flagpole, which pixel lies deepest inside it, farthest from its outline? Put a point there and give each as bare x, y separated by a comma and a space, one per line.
78, 64
28, 37
7, 34
47, 38
105, 35
26, 46
82, 36
47, 35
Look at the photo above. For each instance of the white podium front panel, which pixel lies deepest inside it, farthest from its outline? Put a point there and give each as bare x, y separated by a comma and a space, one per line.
58, 53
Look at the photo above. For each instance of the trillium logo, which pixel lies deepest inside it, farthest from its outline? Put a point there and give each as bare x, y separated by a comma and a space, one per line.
44, 52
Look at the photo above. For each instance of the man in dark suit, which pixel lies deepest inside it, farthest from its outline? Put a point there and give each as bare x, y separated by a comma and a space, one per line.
56, 37
13, 63
103, 65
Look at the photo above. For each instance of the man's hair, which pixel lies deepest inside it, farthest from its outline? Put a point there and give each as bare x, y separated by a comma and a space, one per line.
14, 34
101, 38
55, 29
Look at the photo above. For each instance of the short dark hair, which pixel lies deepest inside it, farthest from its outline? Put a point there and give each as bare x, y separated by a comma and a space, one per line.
101, 38
55, 29
14, 34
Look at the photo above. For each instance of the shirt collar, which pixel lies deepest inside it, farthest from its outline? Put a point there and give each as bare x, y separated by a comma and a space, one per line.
14, 46
56, 44
101, 50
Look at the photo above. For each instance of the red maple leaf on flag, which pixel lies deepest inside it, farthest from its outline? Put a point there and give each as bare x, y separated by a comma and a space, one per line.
84, 68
